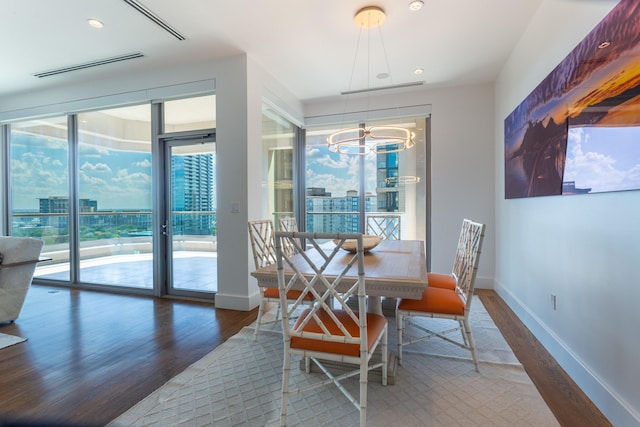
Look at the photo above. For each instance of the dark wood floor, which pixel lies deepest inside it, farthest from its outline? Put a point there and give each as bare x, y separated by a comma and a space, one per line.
567, 402
90, 355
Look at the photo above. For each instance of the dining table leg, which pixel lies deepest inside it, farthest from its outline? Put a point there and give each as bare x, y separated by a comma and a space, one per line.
374, 305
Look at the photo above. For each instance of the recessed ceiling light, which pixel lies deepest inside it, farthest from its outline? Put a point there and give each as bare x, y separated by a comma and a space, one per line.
95, 23
416, 5
418, 71
604, 44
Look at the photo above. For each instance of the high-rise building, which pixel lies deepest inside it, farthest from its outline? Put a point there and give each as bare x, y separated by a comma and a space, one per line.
192, 188
59, 204
387, 182
335, 214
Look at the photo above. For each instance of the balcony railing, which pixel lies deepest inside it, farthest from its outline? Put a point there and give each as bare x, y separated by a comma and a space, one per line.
343, 222
108, 233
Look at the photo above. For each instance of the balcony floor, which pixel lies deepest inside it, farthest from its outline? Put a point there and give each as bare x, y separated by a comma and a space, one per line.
192, 270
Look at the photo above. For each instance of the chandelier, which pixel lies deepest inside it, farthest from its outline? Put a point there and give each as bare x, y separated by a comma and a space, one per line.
374, 139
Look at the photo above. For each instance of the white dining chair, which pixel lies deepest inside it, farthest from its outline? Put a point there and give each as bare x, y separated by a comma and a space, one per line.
261, 235
326, 331
288, 223
450, 280
445, 303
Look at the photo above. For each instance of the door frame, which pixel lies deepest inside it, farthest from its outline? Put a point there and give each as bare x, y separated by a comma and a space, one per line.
163, 263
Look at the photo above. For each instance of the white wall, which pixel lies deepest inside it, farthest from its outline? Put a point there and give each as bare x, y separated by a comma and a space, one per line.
462, 173
584, 249
462, 165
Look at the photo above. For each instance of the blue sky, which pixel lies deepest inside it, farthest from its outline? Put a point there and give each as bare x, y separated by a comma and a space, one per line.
337, 173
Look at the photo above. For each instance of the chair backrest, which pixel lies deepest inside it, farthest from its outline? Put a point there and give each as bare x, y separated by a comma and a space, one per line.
309, 270
288, 223
261, 234
458, 260
467, 258
386, 226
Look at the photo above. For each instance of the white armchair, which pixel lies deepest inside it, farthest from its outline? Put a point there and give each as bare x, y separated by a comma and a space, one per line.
18, 258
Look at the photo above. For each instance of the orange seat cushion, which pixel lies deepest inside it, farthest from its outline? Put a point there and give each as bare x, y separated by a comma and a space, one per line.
375, 325
292, 295
439, 280
435, 300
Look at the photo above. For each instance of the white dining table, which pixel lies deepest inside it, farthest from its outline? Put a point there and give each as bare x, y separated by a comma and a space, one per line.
394, 268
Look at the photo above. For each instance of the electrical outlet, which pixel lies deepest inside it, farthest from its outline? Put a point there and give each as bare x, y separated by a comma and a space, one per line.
554, 302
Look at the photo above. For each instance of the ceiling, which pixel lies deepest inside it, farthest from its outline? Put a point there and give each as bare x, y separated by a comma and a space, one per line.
309, 46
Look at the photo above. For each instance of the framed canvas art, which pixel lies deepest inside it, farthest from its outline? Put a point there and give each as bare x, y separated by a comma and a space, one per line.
578, 132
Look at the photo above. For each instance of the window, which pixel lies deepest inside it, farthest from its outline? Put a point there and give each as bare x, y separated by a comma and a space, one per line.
341, 189
40, 188
97, 218
114, 155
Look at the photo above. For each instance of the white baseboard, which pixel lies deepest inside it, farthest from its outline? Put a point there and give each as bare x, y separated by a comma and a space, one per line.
484, 283
617, 411
237, 302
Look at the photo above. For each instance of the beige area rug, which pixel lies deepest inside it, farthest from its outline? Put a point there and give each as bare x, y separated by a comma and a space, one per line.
238, 384
9, 340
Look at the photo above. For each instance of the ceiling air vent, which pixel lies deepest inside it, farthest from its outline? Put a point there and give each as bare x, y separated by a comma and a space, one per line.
89, 65
155, 18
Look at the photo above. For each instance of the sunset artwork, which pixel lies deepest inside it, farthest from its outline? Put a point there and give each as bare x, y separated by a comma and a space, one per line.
579, 130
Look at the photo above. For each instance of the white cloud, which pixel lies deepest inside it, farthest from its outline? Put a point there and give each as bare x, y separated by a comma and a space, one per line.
86, 179
328, 162
137, 178
336, 186
313, 152
98, 167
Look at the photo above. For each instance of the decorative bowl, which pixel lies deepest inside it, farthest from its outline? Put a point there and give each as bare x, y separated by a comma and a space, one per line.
368, 241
